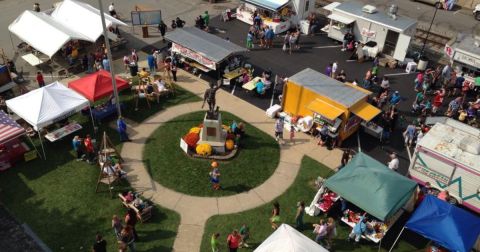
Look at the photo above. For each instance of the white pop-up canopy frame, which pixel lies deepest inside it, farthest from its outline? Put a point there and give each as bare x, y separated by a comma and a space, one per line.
286, 238
47, 105
70, 20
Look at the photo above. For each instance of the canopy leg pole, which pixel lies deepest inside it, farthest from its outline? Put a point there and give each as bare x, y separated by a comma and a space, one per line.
93, 121
380, 245
41, 143
34, 146
11, 41
395, 242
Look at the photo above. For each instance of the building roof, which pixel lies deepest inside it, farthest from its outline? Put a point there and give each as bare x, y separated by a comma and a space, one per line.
454, 140
328, 87
273, 5
467, 43
209, 46
355, 9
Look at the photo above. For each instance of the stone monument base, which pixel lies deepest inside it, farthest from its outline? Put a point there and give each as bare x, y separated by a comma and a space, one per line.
213, 133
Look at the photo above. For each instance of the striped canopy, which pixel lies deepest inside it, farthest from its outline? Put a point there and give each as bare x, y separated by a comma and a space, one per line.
9, 129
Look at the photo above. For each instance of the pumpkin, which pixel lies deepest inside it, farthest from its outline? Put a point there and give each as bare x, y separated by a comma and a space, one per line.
194, 130
204, 149
229, 144
191, 139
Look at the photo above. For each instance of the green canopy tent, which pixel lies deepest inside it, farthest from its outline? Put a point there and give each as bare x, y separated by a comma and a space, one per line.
372, 186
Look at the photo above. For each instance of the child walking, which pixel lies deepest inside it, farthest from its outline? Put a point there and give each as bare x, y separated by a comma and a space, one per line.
215, 176
292, 134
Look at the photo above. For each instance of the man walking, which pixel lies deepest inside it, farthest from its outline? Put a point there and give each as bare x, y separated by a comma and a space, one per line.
162, 27
122, 129
40, 80
279, 129
151, 63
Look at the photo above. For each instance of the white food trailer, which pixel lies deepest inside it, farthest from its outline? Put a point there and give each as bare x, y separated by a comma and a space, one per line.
464, 53
448, 157
392, 33
281, 15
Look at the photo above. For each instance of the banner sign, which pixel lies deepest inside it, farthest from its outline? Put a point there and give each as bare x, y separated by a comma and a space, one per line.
194, 56
367, 33
448, 50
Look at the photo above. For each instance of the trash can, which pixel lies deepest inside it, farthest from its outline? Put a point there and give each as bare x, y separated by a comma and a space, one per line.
422, 64
144, 31
133, 69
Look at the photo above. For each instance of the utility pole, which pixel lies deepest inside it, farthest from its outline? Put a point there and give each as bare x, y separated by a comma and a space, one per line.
109, 57
429, 28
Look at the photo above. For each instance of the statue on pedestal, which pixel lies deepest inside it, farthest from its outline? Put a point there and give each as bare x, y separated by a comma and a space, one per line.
209, 97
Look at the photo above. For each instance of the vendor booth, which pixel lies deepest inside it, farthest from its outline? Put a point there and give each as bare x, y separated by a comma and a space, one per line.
47, 105
286, 238
392, 33
201, 50
464, 55
371, 186
281, 15
97, 86
11, 148
342, 107
70, 20
447, 225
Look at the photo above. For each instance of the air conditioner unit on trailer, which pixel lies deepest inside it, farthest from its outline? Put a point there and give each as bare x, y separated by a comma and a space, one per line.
369, 9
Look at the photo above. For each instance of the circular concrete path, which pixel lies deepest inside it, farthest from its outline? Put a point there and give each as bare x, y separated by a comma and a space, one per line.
194, 210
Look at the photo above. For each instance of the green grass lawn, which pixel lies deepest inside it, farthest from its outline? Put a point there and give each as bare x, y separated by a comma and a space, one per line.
56, 197
167, 163
302, 189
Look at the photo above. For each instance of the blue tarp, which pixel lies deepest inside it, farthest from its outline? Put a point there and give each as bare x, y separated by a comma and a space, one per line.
449, 226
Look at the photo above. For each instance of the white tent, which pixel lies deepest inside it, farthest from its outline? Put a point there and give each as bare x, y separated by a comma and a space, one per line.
83, 18
49, 104
44, 106
42, 32
288, 239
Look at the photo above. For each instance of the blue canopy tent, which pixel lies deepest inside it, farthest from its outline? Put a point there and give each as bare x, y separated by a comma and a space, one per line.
448, 225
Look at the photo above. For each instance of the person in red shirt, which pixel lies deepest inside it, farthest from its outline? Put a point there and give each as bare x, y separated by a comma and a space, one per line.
233, 241
89, 148
40, 80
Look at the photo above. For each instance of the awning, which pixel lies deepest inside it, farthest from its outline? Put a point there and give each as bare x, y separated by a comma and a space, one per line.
341, 19
325, 109
273, 5
331, 6
365, 111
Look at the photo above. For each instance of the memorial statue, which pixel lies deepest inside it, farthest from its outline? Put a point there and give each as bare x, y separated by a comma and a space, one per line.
209, 97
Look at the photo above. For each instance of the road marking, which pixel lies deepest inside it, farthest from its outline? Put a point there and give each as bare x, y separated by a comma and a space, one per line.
455, 13
233, 89
321, 47
350, 60
399, 74
409, 154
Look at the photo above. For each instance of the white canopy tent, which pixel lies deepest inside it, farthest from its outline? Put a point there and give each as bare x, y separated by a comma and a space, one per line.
42, 32
288, 239
83, 18
47, 105
70, 20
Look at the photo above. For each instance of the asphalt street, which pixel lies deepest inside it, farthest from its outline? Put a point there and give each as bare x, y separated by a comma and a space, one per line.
317, 52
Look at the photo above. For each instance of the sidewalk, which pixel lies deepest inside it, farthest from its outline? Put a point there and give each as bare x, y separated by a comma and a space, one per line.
195, 211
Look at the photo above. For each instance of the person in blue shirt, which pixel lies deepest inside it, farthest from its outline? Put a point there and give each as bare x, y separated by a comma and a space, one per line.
358, 229
151, 63
77, 147
122, 129
106, 64
260, 86
269, 36
395, 99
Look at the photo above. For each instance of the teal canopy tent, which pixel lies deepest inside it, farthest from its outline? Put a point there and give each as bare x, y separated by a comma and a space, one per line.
372, 186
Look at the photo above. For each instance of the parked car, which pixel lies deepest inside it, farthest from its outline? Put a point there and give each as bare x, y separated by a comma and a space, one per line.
435, 3
476, 12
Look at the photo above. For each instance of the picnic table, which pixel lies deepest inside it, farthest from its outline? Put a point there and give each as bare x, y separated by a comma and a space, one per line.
251, 84
234, 74
32, 59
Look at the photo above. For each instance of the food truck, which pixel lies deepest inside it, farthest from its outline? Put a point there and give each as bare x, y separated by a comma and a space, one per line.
464, 54
342, 107
448, 157
281, 15
390, 32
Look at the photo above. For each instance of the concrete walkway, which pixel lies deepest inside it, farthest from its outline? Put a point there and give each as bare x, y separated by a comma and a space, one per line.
190, 231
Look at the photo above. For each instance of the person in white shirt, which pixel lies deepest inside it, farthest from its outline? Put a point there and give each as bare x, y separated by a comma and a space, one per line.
160, 85
334, 69
394, 162
112, 11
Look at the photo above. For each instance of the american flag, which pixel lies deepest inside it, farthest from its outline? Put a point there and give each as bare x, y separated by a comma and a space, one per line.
9, 129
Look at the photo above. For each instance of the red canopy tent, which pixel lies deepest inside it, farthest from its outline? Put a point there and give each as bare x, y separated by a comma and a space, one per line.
97, 85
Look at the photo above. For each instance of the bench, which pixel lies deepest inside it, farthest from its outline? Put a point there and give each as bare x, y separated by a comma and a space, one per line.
143, 215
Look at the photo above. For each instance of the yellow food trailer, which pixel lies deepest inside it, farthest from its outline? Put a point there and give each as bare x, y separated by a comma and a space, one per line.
341, 106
